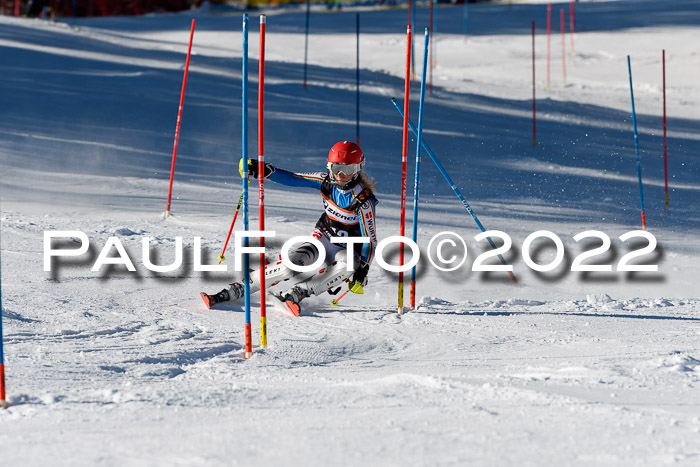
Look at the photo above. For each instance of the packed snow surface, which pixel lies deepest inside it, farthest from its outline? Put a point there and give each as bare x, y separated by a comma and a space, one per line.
113, 367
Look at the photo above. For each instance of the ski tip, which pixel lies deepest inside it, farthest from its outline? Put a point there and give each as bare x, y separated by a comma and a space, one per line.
207, 300
293, 308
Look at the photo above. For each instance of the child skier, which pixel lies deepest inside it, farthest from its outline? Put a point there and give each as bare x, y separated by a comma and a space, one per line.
349, 203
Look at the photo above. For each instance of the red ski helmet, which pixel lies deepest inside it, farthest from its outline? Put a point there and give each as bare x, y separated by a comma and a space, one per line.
347, 158
346, 152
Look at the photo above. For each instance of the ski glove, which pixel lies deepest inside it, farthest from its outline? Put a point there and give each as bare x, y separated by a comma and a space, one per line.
359, 279
253, 168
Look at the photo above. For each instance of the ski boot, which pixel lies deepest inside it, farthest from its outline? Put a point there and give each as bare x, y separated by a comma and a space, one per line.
233, 292
211, 300
292, 298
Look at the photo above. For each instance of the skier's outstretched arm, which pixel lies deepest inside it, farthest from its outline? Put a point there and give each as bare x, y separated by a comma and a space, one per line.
306, 180
285, 177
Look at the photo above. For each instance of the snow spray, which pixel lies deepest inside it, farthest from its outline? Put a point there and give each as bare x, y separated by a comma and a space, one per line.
244, 195
306, 39
636, 148
534, 121
416, 185
663, 67
404, 154
179, 119
549, 35
261, 177
456, 190
562, 22
357, 78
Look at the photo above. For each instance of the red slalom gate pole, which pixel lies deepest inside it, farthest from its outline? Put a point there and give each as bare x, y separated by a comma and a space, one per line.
663, 66
572, 21
17, 8
357, 78
404, 160
261, 178
534, 121
179, 119
549, 36
562, 17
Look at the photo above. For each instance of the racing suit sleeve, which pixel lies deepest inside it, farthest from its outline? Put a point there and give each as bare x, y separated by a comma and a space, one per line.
304, 180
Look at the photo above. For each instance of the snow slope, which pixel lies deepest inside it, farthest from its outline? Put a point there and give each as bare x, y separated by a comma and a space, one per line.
566, 368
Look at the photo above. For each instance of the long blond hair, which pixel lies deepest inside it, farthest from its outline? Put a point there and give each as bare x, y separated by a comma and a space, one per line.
367, 181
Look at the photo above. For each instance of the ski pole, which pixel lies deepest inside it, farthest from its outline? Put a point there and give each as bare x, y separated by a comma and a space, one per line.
416, 185
335, 301
456, 190
221, 256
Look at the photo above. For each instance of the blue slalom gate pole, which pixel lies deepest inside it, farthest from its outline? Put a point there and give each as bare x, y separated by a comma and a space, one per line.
465, 19
3, 404
416, 186
453, 186
306, 39
244, 156
357, 79
636, 148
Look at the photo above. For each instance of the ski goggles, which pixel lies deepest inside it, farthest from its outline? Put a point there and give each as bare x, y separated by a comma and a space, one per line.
337, 168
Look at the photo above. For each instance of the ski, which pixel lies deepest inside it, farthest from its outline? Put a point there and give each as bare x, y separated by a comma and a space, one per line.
208, 300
